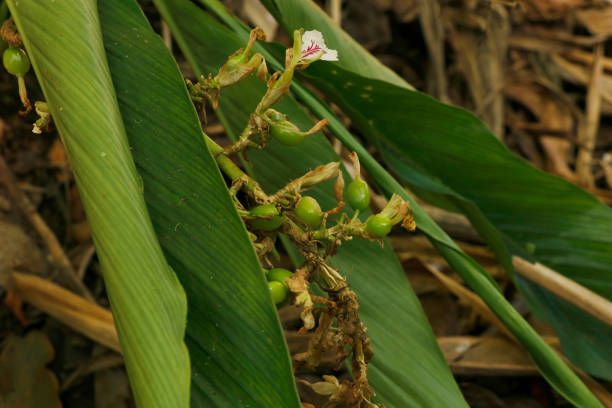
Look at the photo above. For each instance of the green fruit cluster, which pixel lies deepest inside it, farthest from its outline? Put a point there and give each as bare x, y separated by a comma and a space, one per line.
277, 284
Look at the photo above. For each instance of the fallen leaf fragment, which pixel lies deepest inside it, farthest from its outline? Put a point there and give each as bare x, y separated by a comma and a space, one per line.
25, 382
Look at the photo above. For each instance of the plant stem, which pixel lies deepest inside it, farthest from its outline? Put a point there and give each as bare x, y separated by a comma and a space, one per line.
234, 172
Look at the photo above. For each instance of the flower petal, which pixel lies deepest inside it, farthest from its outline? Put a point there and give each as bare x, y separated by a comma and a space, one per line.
330, 55
313, 47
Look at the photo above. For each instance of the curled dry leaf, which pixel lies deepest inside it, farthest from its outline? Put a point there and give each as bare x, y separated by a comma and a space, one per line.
24, 379
298, 284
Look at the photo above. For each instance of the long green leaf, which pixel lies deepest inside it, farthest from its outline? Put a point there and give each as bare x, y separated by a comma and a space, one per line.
570, 233
64, 42
551, 366
408, 369
515, 206
549, 363
238, 353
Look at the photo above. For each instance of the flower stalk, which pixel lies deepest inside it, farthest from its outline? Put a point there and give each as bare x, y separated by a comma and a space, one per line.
335, 317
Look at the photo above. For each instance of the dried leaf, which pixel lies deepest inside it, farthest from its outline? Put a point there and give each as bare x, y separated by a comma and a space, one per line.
24, 380
486, 356
558, 153
550, 9
552, 113
481, 55
596, 20
579, 74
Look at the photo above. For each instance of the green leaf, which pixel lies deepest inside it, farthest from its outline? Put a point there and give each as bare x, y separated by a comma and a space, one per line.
233, 332
550, 365
238, 352
569, 228
516, 205
4, 13
64, 43
400, 353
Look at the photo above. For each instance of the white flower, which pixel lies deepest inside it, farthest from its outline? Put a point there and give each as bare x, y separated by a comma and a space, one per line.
313, 48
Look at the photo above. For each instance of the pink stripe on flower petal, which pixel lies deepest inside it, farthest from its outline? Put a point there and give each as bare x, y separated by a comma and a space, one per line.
313, 47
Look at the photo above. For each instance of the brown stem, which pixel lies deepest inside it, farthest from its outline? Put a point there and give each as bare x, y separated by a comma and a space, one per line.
89, 319
590, 125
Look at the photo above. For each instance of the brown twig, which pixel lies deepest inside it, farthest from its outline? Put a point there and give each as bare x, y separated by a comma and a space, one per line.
590, 125
587, 58
55, 249
565, 288
74, 311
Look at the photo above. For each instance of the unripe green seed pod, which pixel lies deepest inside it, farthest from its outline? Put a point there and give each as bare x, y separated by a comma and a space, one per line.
379, 226
268, 210
358, 194
309, 211
278, 292
16, 61
279, 275
287, 133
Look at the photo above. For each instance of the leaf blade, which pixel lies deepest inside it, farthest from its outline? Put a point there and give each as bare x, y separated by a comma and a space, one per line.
274, 167
548, 362
148, 302
233, 333
568, 227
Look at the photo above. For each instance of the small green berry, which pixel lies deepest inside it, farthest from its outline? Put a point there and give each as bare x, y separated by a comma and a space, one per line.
278, 292
279, 275
263, 210
309, 211
379, 226
16, 61
263, 223
287, 133
358, 194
